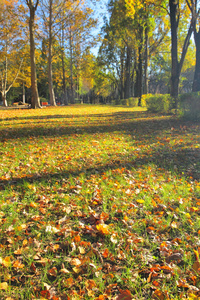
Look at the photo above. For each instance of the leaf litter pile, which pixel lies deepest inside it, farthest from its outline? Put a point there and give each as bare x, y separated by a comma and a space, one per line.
98, 202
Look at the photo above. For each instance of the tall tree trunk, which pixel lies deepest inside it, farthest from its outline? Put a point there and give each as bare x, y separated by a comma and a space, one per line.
71, 68
176, 65
64, 80
63, 67
50, 77
5, 103
23, 96
146, 56
139, 76
122, 73
196, 81
35, 101
174, 20
127, 83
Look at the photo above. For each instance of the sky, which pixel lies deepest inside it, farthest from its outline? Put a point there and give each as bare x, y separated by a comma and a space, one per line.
100, 11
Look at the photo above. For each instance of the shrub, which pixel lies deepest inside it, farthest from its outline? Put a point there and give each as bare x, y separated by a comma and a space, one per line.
189, 105
158, 103
132, 102
43, 100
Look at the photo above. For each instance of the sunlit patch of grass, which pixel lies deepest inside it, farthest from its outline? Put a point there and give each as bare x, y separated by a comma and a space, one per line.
98, 202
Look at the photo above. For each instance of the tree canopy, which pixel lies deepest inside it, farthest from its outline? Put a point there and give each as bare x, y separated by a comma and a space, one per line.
143, 47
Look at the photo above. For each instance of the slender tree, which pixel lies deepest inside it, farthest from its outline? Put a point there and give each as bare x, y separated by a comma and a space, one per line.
35, 101
194, 9
12, 41
174, 11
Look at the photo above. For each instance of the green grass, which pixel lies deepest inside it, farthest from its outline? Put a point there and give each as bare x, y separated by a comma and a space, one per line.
98, 202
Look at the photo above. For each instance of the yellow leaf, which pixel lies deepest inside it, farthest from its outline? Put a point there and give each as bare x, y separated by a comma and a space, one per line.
103, 228
3, 286
75, 262
6, 261
140, 201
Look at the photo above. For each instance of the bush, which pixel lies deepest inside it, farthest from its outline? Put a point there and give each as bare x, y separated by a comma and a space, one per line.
189, 105
132, 102
158, 103
43, 100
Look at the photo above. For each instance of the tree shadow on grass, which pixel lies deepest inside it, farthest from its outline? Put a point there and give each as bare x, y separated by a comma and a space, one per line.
145, 130
182, 162
130, 123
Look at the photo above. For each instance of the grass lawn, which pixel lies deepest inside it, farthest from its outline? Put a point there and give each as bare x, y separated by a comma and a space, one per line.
98, 202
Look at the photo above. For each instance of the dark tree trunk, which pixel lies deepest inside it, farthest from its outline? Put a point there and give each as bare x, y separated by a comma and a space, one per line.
35, 101
146, 61
127, 83
50, 76
196, 81
176, 65
122, 74
174, 20
71, 69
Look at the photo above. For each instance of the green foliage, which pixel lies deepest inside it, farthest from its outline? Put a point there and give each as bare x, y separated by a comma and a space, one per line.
42, 99
131, 102
158, 103
189, 105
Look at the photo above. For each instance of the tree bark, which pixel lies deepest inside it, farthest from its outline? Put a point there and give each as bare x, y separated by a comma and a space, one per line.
50, 76
196, 81
127, 84
146, 56
71, 68
35, 101
174, 20
176, 65
5, 103
63, 67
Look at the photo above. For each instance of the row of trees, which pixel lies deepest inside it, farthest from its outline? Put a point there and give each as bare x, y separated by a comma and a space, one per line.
145, 46
146, 42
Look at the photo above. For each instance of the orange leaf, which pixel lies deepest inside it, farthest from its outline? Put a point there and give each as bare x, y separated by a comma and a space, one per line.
68, 282
46, 294
125, 295
156, 283
105, 253
18, 265
53, 272
158, 295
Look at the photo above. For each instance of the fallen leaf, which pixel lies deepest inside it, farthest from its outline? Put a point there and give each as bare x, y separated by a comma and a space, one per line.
53, 272
124, 295
3, 286
103, 228
18, 265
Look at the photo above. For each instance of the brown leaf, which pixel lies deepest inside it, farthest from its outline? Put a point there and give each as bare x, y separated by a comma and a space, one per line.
175, 256
158, 295
125, 295
196, 267
53, 271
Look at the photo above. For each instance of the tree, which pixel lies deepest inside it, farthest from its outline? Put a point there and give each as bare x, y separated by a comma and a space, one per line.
12, 41
174, 11
192, 4
52, 10
35, 101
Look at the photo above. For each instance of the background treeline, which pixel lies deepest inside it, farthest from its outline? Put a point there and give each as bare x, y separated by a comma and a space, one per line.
145, 47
